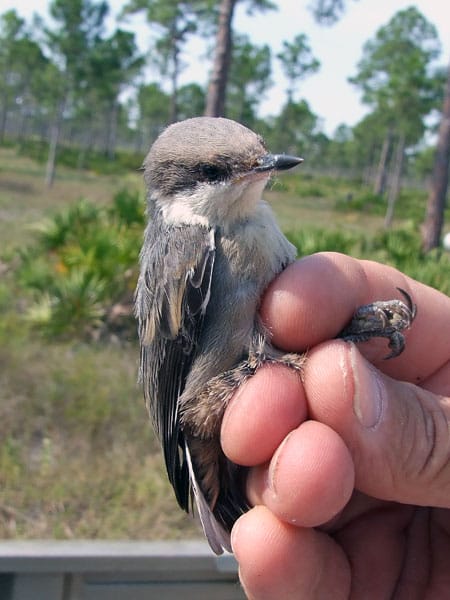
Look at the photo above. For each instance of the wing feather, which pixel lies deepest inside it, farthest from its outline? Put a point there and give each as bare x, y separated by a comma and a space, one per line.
171, 299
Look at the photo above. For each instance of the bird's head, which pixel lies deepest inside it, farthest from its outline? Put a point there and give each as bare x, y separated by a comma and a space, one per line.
209, 171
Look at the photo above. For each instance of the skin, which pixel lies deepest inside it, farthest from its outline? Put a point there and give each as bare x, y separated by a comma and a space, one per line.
351, 481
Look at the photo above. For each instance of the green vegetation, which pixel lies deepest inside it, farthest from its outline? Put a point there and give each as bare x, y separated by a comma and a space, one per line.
75, 94
400, 248
78, 457
82, 264
63, 80
82, 159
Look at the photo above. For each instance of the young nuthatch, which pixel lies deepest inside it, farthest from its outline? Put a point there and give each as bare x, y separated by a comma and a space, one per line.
211, 247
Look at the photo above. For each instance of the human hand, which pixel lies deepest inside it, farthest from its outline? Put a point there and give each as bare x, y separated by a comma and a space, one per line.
350, 471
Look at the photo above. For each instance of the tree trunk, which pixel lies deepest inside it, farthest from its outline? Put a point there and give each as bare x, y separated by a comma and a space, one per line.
434, 220
111, 131
394, 188
173, 106
85, 144
175, 37
380, 178
4, 102
215, 100
22, 126
54, 137
3, 116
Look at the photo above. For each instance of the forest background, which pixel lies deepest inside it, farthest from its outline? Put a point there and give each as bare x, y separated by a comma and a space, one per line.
80, 104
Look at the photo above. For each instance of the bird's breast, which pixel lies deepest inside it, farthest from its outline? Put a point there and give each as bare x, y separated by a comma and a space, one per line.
255, 249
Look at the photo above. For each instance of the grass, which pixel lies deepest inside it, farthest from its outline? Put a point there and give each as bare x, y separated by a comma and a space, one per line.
78, 457
25, 199
84, 263
306, 201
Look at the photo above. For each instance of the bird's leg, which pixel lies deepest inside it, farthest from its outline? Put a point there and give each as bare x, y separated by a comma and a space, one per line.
202, 415
382, 319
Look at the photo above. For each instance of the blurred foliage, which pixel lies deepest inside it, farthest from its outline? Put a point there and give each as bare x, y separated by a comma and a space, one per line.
78, 457
78, 158
365, 201
83, 263
400, 248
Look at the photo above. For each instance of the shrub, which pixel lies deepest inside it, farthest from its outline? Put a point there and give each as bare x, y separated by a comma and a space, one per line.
363, 200
83, 262
78, 158
314, 239
400, 248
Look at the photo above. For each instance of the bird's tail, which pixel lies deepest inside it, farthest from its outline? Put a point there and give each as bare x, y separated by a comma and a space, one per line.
218, 510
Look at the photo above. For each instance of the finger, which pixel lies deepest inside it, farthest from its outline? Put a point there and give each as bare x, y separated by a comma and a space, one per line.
265, 409
375, 547
439, 381
397, 433
302, 563
311, 477
309, 480
313, 299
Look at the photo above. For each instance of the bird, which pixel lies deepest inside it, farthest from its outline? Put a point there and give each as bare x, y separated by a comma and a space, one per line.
211, 247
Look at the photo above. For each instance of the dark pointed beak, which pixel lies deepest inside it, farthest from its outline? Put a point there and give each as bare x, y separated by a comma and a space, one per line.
277, 162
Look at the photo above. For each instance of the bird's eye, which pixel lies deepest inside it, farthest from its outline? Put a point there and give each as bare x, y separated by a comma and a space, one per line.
212, 173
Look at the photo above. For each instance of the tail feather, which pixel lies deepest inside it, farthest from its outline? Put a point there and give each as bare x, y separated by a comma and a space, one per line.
218, 537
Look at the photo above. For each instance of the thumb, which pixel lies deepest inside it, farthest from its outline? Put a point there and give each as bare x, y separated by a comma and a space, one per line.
398, 434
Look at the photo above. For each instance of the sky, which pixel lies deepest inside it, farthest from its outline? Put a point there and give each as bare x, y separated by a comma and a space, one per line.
338, 47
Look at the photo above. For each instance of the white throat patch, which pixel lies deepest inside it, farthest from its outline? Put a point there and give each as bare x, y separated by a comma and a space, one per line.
219, 204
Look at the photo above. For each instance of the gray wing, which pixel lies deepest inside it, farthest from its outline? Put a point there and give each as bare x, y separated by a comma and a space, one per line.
172, 295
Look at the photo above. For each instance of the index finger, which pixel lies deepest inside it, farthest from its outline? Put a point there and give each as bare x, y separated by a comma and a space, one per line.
314, 299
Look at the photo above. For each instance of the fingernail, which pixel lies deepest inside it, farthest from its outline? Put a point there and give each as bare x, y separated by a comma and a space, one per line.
273, 468
368, 390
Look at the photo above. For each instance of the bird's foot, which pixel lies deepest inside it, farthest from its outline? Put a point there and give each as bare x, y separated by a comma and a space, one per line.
382, 319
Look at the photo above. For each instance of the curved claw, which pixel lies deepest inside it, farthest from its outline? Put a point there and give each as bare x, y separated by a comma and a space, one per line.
412, 307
